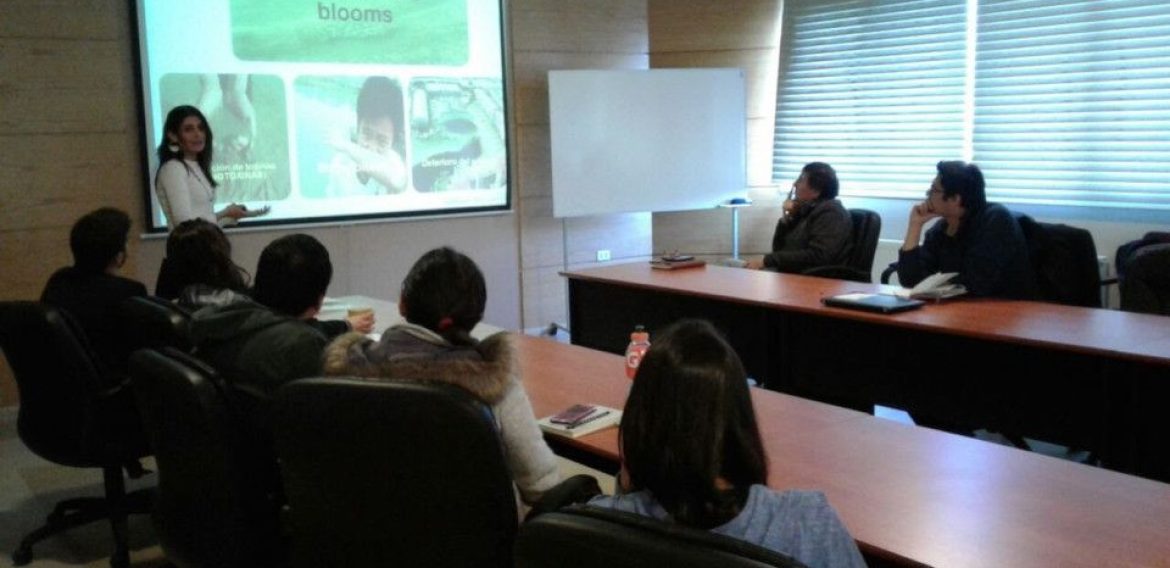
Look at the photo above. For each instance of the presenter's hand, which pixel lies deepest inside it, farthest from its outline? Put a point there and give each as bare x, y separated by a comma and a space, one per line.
362, 323
755, 263
257, 212
234, 211
789, 207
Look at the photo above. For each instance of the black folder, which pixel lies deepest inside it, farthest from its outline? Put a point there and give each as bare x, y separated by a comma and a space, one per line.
881, 303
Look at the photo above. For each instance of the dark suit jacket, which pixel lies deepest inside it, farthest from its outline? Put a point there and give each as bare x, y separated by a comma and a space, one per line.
820, 235
94, 300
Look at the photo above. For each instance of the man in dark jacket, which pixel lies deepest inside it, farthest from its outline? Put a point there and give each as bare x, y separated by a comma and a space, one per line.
262, 343
979, 240
92, 292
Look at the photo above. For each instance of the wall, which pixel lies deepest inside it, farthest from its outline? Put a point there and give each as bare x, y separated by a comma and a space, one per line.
696, 33
555, 34
69, 141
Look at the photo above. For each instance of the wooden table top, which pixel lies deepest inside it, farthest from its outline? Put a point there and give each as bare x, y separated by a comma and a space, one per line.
1111, 333
907, 493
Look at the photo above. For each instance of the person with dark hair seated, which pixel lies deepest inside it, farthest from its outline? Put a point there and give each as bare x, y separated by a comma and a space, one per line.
815, 229
980, 240
443, 299
260, 344
202, 268
691, 453
203, 274
92, 292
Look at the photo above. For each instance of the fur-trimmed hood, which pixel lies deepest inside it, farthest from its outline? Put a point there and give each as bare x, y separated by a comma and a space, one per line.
410, 352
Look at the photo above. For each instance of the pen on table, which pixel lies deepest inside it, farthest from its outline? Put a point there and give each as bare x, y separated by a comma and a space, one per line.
587, 420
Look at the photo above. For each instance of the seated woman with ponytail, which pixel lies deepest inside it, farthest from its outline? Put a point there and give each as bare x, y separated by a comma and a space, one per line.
691, 453
442, 299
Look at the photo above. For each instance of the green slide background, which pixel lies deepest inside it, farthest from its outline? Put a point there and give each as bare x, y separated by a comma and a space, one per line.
422, 32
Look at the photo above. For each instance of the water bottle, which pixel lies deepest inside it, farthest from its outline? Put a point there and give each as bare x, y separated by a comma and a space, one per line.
639, 343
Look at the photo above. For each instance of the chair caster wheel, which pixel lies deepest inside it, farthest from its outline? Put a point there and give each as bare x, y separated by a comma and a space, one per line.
22, 556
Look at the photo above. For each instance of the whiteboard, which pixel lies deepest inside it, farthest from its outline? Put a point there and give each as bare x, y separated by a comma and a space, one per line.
646, 140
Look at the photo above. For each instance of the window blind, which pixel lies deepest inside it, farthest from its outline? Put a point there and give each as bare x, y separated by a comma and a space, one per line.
1072, 101
1060, 102
874, 88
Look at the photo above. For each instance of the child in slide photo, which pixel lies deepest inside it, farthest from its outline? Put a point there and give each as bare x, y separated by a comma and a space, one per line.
368, 164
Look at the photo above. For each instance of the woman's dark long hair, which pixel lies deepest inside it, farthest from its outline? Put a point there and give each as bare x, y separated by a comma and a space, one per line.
200, 253
689, 422
445, 293
174, 121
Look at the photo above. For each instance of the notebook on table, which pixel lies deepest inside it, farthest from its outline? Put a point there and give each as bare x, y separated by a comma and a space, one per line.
596, 418
880, 303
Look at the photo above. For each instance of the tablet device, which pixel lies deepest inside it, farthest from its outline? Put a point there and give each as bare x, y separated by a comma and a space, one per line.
881, 303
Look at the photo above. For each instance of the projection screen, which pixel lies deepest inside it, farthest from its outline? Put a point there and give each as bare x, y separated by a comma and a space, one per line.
311, 103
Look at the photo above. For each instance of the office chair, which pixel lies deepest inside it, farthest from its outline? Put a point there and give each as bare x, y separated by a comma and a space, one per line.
867, 226
218, 502
1146, 285
157, 323
383, 472
1065, 261
581, 536
70, 417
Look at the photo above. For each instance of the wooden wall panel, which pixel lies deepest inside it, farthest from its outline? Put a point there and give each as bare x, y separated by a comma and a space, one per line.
593, 26
64, 19
66, 135
64, 86
702, 25
547, 35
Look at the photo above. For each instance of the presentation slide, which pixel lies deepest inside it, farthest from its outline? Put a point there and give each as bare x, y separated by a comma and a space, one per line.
327, 111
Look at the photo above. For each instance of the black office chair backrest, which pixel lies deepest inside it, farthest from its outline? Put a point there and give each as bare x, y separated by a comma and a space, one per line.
1146, 286
584, 536
157, 323
867, 225
381, 473
217, 502
1064, 259
58, 381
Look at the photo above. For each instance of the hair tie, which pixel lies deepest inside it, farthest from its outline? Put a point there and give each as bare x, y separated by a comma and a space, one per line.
445, 323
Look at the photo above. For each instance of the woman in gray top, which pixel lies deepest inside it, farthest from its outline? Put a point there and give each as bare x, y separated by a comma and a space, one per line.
691, 454
815, 229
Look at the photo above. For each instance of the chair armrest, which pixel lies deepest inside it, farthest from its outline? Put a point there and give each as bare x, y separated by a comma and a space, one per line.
577, 489
890, 270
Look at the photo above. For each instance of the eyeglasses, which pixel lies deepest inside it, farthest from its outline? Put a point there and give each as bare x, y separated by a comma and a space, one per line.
932, 191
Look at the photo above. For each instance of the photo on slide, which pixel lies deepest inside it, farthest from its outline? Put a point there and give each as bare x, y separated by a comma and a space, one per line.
457, 134
396, 32
350, 136
247, 114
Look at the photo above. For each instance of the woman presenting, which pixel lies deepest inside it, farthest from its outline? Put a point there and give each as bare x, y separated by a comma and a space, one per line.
815, 228
184, 184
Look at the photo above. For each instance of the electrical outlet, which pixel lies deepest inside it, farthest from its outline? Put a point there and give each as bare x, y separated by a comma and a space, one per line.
603, 255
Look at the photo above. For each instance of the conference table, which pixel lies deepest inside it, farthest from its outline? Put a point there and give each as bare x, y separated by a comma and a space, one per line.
910, 496
1092, 379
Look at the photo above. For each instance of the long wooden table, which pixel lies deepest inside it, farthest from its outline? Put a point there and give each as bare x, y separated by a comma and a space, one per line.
1090, 378
910, 496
